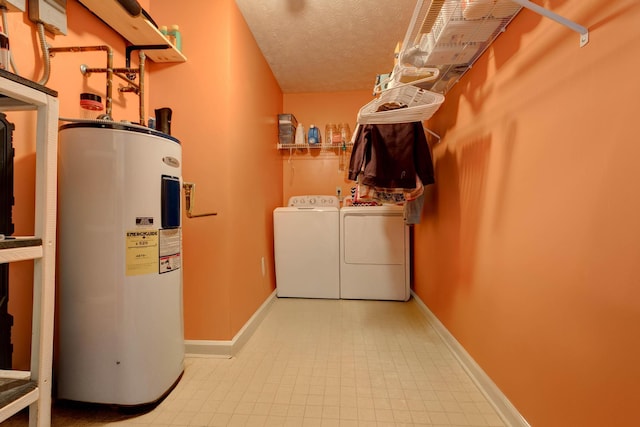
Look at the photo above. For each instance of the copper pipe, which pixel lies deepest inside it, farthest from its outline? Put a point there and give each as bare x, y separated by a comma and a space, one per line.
141, 94
128, 80
132, 87
113, 70
108, 70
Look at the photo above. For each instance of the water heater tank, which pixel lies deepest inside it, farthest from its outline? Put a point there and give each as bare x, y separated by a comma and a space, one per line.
121, 335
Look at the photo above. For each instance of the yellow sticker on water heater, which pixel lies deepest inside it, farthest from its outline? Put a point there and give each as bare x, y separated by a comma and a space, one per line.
142, 252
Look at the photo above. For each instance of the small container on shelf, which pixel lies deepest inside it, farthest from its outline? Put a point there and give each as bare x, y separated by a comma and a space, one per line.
300, 135
287, 125
331, 134
344, 133
90, 106
314, 135
174, 32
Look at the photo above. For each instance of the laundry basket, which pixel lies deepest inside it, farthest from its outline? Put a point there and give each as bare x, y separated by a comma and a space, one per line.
420, 103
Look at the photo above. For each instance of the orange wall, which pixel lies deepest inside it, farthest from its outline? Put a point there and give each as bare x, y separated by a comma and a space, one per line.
225, 102
528, 249
315, 171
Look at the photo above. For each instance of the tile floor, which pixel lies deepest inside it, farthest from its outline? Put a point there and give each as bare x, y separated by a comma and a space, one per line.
317, 363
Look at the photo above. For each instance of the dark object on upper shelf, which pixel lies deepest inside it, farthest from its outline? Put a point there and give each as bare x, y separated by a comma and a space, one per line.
132, 7
7, 155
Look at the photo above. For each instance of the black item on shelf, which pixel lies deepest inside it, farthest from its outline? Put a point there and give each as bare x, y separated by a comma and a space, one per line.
163, 120
6, 228
6, 175
132, 7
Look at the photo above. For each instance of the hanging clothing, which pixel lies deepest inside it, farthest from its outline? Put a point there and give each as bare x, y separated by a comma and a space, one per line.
394, 196
391, 155
391, 164
413, 210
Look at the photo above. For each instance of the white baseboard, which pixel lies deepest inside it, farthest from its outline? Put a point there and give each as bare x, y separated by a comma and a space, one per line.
502, 405
228, 348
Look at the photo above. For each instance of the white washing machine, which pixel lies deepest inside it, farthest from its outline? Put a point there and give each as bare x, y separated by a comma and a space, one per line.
374, 253
306, 246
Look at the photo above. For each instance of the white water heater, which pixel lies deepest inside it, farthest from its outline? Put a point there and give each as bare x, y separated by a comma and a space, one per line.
121, 337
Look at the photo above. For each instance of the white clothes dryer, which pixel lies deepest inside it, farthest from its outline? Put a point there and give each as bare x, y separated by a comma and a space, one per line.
374, 253
306, 247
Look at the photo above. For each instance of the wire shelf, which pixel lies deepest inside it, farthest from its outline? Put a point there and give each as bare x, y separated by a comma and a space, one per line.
450, 35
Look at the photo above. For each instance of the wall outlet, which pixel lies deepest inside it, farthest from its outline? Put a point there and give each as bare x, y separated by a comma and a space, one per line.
264, 267
339, 192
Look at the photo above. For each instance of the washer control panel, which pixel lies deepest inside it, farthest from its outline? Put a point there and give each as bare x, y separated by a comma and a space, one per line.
314, 202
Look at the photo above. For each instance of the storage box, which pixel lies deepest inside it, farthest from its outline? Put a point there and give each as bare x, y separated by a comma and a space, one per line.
286, 138
286, 122
287, 125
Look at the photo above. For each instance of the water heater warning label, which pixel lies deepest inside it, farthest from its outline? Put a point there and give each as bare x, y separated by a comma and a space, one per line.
142, 252
169, 250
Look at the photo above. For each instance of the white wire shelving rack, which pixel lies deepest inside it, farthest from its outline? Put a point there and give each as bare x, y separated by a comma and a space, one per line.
450, 35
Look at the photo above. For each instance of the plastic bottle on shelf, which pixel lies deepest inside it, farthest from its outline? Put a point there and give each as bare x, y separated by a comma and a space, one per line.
174, 31
299, 139
345, 133
314, 135
165, 32
345, 136
330, 132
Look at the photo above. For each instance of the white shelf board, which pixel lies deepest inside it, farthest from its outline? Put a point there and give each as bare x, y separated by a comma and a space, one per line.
20, 254
15, 375
19, 404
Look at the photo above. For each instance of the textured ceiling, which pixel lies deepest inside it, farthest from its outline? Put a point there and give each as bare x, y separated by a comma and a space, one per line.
327, 45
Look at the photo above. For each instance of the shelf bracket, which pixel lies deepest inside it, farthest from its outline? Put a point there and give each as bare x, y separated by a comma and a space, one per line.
583, 31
